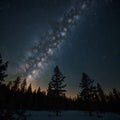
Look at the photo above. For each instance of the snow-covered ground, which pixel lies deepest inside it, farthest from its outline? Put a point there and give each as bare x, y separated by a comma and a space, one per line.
71, 115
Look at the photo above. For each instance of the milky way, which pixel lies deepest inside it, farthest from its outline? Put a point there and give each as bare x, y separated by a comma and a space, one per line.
40, 53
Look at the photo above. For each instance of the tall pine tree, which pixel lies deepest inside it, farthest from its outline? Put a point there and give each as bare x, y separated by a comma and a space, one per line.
56, 88
16, 84
88, 91
24, 86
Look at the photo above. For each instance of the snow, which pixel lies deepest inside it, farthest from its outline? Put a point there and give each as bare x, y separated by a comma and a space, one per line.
71, 115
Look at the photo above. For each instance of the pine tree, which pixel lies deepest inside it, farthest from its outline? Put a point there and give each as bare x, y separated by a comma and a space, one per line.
29, 91
88, 91
116, 100
56, 85
56, 88
85, 86
16, 84
24, 86
100, 93
101, 98
39, 90
9, 85
3, 68
29, 94
116, 94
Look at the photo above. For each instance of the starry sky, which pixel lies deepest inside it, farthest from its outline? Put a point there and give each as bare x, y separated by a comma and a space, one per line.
88, 43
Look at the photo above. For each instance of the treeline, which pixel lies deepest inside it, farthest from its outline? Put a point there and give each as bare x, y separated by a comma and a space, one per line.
17, 95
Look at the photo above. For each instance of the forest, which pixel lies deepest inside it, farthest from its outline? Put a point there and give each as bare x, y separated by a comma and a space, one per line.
17, 97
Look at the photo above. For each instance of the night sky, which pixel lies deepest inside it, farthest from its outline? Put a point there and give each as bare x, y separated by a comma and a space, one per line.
90, 44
